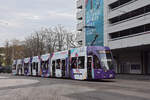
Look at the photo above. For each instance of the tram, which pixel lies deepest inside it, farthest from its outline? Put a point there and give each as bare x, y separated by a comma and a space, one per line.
91, 63
84, 63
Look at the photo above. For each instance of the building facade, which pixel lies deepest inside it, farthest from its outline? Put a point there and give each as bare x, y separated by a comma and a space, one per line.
127, 33
126, 30
80, 22
90, 26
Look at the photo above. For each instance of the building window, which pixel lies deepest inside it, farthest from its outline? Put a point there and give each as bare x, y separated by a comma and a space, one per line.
114, 5
131, 31
147, 27
118, 3
131, 14
135, 66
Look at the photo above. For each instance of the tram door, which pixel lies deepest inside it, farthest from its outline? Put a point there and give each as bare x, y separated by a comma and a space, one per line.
53, 69
21, 70
31, 69
17, 70
63, 68
89, 66
36, 64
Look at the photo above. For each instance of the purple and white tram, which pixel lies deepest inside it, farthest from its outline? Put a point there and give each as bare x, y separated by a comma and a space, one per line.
88, 62
93, 62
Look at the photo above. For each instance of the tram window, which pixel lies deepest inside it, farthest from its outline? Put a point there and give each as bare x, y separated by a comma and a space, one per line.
26, 65
96, 62
53, 64
58, 64
35, 65
19, 66
81, 61
63, 63
14, 67
74, 62
46, 64
42, 64
31, 65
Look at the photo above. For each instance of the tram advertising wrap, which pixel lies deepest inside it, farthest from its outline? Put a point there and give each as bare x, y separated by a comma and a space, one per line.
94, 22
83, 63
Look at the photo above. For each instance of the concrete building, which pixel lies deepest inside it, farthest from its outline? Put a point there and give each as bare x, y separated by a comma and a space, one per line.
127, 33
126, 27
90, 22
80, 22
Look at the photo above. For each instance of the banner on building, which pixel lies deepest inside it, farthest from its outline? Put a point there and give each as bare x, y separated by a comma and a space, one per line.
94, 22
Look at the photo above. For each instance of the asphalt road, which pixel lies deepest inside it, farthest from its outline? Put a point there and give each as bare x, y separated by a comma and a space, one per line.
36, 88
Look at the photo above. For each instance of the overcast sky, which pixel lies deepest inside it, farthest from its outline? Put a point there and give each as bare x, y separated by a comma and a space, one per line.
19, 18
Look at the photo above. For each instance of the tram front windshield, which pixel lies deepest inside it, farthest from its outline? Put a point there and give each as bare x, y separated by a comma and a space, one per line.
106, 60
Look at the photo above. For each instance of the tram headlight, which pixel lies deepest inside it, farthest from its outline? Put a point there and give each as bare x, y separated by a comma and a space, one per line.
110, 75
105, 69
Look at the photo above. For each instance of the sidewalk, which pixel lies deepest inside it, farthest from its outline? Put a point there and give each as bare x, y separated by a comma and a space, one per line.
133, 77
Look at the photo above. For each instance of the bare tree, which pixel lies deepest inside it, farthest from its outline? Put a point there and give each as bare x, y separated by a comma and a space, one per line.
35, 44
51, 39
13, 50
46, 40
8, 53
65, 39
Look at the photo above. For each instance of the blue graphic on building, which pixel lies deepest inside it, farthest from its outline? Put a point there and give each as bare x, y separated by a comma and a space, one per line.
94, 23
